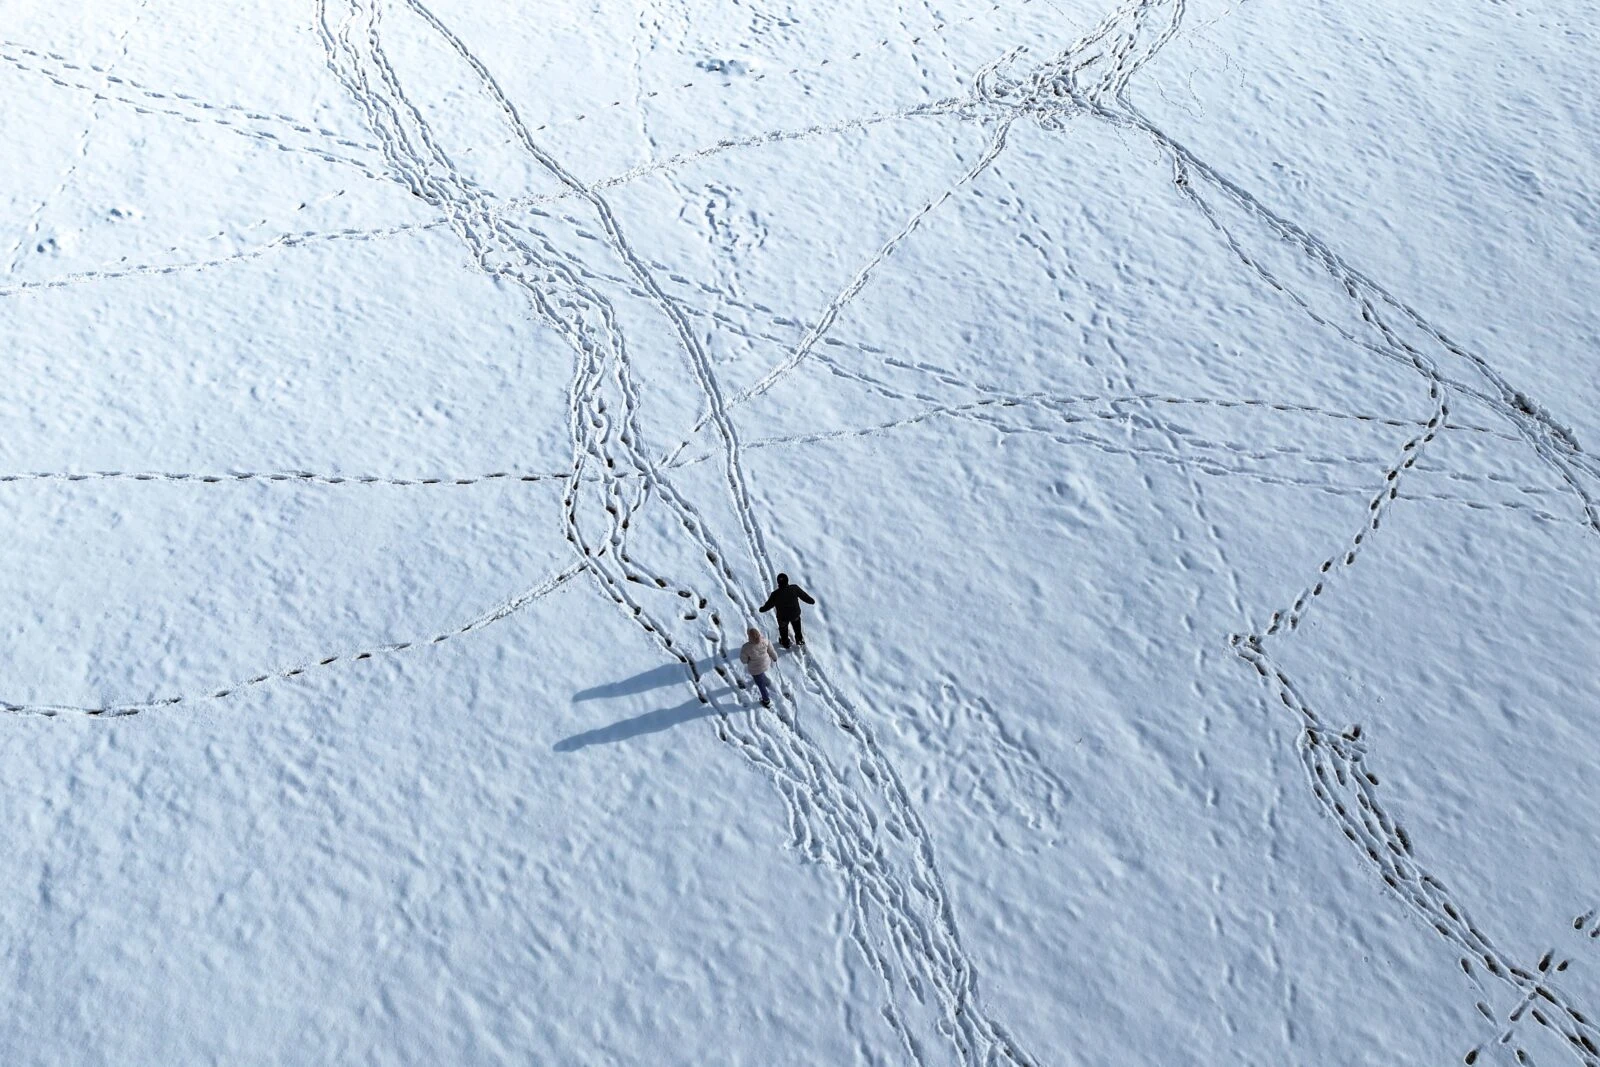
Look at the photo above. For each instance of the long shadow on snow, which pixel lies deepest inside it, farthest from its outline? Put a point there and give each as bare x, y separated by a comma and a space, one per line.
654, 678
649, 723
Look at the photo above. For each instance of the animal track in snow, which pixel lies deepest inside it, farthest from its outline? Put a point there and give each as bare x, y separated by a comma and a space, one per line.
852, 811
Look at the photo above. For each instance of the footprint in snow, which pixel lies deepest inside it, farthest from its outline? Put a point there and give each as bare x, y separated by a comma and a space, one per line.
725, 65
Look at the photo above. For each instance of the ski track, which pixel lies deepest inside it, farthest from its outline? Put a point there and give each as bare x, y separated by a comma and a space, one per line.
846, 805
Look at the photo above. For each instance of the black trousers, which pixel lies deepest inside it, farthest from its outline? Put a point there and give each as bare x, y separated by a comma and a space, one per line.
783, 631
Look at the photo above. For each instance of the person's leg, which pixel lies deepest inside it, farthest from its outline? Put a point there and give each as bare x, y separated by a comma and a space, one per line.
763, 685
783, 632
799, 634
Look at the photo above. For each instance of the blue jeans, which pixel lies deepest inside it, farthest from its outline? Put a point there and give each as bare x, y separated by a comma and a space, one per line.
763, 685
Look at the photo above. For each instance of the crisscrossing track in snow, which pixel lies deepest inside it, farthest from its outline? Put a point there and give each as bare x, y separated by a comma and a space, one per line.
846, 804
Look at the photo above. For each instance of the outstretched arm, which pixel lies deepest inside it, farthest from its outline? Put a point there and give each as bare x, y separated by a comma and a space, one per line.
804, 595
768, 605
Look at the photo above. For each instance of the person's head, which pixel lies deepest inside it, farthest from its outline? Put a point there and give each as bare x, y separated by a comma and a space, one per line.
783, 580
753, 634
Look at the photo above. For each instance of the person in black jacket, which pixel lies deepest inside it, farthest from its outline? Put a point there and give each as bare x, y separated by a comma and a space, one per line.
786, 599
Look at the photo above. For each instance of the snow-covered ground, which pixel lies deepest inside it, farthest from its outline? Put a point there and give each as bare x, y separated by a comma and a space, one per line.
1182, 413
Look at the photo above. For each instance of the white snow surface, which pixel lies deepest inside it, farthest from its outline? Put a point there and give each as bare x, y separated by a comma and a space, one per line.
1183, 413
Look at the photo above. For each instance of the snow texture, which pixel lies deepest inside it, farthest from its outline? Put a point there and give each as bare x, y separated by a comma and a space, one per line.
1182, 413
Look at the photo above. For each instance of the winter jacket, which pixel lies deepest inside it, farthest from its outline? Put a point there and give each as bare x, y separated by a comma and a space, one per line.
758, 656
786, 598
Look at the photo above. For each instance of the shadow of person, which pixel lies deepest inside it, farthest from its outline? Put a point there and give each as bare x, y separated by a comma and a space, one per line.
654, 678
650, 722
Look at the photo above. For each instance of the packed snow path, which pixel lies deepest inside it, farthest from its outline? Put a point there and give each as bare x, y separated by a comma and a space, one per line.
570, 254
